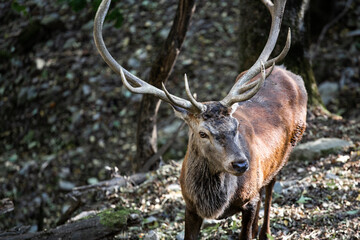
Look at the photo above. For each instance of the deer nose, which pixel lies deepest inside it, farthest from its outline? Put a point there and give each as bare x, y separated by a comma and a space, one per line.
240, 166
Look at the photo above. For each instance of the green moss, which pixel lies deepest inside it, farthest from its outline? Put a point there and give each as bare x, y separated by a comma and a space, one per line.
115, 218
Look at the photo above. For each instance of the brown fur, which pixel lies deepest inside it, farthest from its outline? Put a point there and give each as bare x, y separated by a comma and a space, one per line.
269, 126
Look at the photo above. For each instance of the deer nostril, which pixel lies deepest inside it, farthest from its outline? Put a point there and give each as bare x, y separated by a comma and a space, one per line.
240, 166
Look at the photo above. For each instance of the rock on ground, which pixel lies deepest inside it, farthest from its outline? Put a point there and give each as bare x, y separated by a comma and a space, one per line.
318, 148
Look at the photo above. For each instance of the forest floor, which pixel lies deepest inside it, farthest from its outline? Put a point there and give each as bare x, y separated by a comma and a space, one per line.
66, 120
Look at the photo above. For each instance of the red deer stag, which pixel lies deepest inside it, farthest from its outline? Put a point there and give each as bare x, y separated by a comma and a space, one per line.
236, 145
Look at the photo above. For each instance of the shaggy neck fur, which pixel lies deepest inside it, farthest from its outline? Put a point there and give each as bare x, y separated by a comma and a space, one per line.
211, 192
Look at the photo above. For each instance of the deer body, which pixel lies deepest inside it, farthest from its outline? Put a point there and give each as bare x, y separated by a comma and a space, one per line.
236, 145
266, 128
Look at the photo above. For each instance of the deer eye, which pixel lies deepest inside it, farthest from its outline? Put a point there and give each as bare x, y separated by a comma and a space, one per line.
203, 135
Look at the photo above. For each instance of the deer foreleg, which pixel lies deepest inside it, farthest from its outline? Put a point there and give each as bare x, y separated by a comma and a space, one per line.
248, 218
265, 229
255, 226
192, 225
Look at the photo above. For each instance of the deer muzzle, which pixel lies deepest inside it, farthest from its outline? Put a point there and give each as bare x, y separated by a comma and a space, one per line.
240, 166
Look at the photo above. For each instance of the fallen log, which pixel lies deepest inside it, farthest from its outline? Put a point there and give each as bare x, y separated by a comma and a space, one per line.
110, 185
104, 225
103, 188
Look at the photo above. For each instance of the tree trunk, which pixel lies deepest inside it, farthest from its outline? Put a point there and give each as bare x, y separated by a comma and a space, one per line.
160, 72
255, 23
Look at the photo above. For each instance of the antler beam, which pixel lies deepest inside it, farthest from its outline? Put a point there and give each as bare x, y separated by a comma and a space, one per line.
135, 84
242, 89
276, 10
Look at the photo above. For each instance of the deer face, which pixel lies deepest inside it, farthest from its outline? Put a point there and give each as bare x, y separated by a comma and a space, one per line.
214, 136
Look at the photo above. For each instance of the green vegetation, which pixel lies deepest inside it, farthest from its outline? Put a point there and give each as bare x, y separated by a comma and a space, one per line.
117, 217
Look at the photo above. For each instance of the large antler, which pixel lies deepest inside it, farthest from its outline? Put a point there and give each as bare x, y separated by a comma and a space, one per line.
137, 85
239, 92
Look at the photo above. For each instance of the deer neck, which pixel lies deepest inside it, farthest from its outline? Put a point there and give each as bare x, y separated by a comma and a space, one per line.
211, 192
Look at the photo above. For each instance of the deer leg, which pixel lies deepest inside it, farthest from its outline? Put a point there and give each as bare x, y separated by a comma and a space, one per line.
265, 229
255, 226
248, 217
192, 225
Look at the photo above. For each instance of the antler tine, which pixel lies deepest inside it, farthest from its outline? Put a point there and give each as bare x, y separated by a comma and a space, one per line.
255, 87
169, 96
271, 69
276, 10
283, 53
201, 107
135, 84
146, 88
